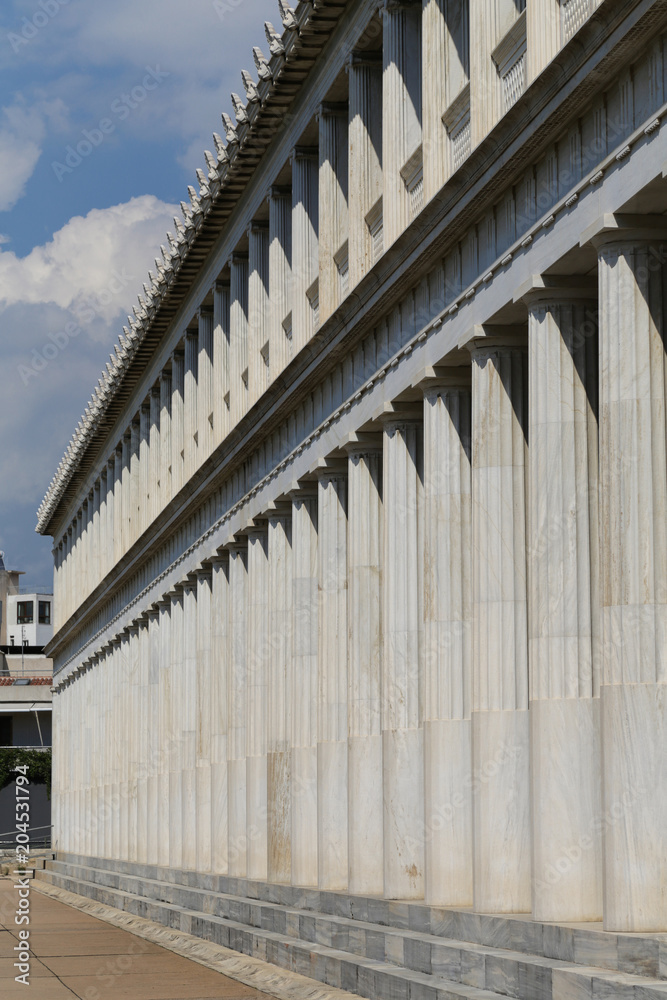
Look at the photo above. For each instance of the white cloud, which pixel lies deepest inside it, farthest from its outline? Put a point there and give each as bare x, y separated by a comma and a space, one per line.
22, 131
98, 260
47, 379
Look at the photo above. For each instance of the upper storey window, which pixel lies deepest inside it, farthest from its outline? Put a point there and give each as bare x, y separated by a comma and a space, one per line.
25, 612
510, 59
573, 13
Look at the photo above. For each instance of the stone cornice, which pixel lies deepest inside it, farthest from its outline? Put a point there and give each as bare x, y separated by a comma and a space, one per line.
307, 29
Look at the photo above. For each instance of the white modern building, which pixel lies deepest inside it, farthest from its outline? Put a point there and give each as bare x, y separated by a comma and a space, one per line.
360, 546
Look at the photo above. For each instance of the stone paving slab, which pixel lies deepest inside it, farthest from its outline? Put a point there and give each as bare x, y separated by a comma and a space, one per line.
158, 956
77, 955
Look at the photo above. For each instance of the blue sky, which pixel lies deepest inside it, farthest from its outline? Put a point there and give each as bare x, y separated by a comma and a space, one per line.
106, 107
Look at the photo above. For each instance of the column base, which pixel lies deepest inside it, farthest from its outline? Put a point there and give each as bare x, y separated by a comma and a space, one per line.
403, 810
256, 817
332, 815
141, 846
124, 811
153, 829
365, 837
175, 819
634, 818
501, 812
203, 818
189, 815
164, 813
238, 855
219, 823
448, 812
304, 816
279, 824
566, 805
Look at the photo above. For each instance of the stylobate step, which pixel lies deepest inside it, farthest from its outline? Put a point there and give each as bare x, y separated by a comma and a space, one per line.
385, 959
581, 944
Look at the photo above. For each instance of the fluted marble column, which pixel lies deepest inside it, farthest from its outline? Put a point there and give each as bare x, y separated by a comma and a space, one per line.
256, 693
176, 726
154, 448
487, 28
177, 421
221, 333
190, 393
135, 511
563, 599
166, 694
118, 516
258, 308
220, 598
543, 35
434, 94
305, 229
633, 559
153, 745
365, 156
205, 384
305, 692
280, 680
364, 541
165, 438
204, 670
332, 819
143, 494
238, 333
141, 721
236, 707
333, 188
401, 108
402, 682
500, 725
280, 273
447, 639
187, 668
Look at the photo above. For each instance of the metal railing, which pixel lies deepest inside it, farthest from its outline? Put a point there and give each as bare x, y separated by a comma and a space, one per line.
42, 840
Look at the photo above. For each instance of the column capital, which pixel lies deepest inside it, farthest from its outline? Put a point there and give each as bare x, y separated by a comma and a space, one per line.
491, 339
305, 153
258, 226
205, 310
334, 108
397, 412
359, 58
330, 468
541, 289
390, 5
221, 284
280, 191
363, 443
611, 229
236, 544
434, 378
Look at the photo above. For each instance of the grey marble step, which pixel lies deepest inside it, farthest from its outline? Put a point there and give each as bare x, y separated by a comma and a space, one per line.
389, 962
583, 944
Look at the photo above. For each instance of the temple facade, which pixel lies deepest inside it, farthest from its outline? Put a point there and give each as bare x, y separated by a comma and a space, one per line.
361, 544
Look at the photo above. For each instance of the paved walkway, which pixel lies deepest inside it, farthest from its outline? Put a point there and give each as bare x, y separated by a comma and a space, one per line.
76, 955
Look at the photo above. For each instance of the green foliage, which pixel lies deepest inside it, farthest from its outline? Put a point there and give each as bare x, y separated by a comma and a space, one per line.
38, 763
